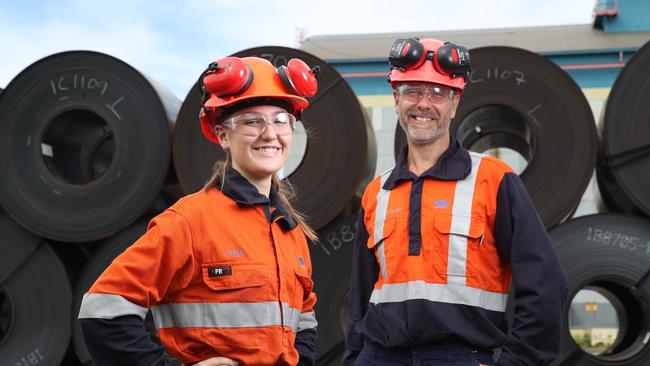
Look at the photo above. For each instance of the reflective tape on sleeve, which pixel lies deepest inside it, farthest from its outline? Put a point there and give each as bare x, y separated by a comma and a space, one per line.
108, 306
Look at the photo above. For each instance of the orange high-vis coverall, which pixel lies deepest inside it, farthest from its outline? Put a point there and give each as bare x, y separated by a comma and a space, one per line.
224, 273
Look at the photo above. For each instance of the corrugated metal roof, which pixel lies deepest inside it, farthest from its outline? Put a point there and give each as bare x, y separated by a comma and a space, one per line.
537, 39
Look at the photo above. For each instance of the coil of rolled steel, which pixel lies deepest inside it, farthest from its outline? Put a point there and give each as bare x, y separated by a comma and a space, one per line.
331, 260
610, 254
340, 156
624, 160
35, 299
521, 101
85, 145
106, 251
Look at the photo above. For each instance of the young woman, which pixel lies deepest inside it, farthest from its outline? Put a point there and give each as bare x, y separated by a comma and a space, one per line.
225, 271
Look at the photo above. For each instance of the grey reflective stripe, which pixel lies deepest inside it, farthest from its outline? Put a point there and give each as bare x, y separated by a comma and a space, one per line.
447, 293
307, 321
291, 320
291, 315
225, 315
382, 260
108, 306
460, 222
380, 217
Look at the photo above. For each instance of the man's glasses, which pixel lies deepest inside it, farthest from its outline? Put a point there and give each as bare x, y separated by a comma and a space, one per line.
414, 94
254, 124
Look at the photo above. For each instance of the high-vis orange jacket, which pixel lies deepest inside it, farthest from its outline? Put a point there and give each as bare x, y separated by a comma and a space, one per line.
224, 273
435, 255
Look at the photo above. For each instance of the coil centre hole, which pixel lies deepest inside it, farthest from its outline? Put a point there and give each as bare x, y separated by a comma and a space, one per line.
297, 153
606, 320
78, 146
499, 131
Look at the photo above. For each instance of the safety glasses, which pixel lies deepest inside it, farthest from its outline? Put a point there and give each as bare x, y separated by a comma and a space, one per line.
434, 94
254, 124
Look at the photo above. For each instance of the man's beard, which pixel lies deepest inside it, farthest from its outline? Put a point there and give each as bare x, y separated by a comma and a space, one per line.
416, 138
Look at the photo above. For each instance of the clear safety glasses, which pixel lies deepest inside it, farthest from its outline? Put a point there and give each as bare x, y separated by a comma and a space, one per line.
435, 94
254, 124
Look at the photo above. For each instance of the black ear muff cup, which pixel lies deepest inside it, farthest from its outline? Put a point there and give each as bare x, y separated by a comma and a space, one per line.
286, 80
407, 54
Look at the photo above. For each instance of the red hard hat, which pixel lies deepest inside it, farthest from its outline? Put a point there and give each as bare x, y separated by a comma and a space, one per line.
426, 71
233, 80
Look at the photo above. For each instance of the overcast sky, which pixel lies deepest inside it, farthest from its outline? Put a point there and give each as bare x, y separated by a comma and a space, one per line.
172, 41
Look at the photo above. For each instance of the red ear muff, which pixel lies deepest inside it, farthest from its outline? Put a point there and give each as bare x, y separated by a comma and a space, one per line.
228, 76
452, 60
406, 53
298, 78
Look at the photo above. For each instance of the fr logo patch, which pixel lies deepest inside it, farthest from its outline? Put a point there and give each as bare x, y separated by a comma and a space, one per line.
219, 271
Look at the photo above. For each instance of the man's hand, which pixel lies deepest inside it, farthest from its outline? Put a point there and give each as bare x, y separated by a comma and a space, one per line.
217, 361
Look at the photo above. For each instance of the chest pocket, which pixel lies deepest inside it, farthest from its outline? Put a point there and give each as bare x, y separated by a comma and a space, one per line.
380, 235
461, 235
233, 275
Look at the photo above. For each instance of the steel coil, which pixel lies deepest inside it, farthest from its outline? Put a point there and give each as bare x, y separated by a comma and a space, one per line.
610, 253
35, 299
624, 160
331, 260
85, 145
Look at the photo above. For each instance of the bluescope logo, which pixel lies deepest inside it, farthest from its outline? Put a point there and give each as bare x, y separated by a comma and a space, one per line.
235, 253
441, 204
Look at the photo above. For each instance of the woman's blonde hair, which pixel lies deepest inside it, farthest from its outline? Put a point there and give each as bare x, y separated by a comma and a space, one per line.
285, 190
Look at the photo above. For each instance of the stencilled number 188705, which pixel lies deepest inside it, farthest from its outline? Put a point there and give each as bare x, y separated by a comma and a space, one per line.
618, 240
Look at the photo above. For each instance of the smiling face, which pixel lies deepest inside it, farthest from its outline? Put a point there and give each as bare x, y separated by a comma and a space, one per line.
257, 158
425, 111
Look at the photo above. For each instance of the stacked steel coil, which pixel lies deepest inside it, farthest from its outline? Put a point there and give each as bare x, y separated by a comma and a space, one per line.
86, 148
609, 253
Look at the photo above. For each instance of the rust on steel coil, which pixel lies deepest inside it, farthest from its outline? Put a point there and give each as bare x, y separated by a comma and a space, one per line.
609, 254
85, 145
340, 156
35, 299
519, 100
624, 160
106, 251
331, 262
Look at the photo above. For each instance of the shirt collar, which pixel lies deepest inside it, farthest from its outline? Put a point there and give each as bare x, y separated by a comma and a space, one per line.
454, 164
240, 190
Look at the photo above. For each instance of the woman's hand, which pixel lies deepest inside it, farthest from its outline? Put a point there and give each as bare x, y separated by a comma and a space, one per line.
217, 361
